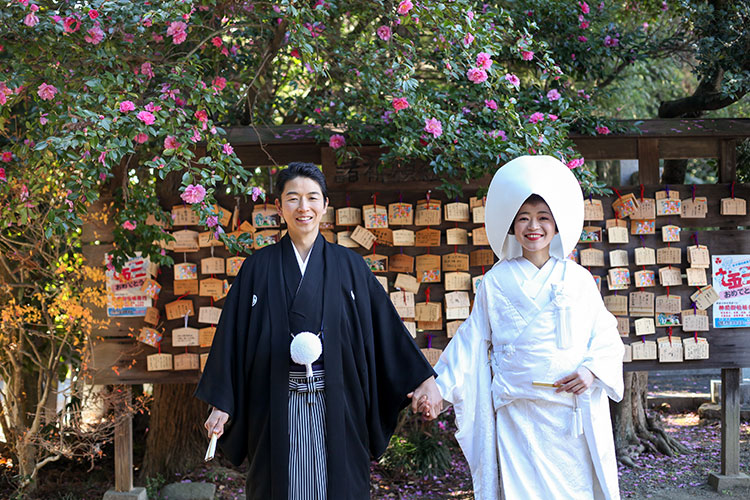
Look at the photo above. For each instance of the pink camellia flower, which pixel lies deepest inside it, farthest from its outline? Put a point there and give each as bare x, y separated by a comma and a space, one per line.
477, 75
610, 41
433, 126
194, 193
527, 55
336, 141
384, 32
484, 60
404, 7
6, 156
147, 70
103, 157
140, 138
25, 3
400, 103
513, 79
217, 41
575, 163
294, 53
582, 38
536, 117
603, 130
258, 193
468, 39
93, 13
2, 175
553, 95
157, 37
126, 106
201, 115
177, 31
170, 142
46, 92
129, 225
30, 20
43, 118
219, 83
180, 37
146, 117
664, 6
71, 24
153, 108
212, 221
552, 117
196, 135
584, 7
490, 103
94, 35
584, 25
227, 149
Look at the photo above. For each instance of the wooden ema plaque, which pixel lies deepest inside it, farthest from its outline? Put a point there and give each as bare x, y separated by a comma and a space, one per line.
640, 227
407, 282
158, 362
696, 276
400, 214
431, 325
670, 234
349, 216
185, 241
705, 297
185, 271
623, 326
377, 263
428, 311
149, 336
641, 304
475, 282
403, 301
616, 304
206, 336
479, 236
617, 231
328, 220
264, 238
695, 320
375, 216
186, 336
329, 235
645, 256
383, 236
344, 238
618, 278
427, 213
457, 281
150, 288
645, 326
428, 268
618, 258
404, 238
209, 315
428, 238
670, 276
432, 355
481, 257
152, 316
451, 327
591, 234
207, 239
233, 265
455, 262
668, 203
186, 287
644, 350
179, 308
186, 361
646, 209
184, 216
383, 282
457, 305
670, 350
401, 263
593, 210
669, 255
668, 304
457, 212
457, 236
695, 348
265, 217
212, 265
592, 257
411, 327
151, 220
212, 287
363, 237
644, 279
733, 206
627, 356
625, 206
477, 215
694, 208
698, 256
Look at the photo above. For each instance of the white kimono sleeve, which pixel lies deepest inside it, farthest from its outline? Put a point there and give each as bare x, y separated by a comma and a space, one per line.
605, 349
464, 379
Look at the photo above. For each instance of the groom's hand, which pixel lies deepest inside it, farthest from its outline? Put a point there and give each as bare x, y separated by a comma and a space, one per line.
427, 399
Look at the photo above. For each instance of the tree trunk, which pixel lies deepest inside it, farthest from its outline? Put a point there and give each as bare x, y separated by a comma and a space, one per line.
635, 430
176, 440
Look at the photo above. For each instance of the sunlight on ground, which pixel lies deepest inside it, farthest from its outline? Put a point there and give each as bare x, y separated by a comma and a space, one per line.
687, 419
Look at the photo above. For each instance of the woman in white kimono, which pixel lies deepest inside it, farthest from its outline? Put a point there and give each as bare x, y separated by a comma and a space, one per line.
529, 372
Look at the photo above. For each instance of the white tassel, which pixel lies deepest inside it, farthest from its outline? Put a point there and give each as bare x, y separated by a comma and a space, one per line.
563, 317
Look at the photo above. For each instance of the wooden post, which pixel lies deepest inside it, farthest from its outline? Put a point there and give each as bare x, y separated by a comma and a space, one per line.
648, 161
728, 161
730, 421
124, 446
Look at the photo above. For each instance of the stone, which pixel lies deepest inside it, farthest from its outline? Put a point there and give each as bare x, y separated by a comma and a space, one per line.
713, 411
136, 493
188, 491
720, 482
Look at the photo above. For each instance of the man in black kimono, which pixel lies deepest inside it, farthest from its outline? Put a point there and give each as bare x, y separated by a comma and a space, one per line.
308, 438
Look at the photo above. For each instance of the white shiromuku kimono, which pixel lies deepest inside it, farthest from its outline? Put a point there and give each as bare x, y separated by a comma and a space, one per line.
524, 441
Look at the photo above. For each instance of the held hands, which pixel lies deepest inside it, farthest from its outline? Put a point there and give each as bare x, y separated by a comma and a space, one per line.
577, 382
215, 422
426, 399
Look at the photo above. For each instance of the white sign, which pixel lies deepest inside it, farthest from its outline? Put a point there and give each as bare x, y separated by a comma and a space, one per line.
124, 295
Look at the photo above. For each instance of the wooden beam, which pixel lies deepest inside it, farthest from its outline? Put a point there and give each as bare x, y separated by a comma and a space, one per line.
730, 421
124, 446
728, 161
648, 161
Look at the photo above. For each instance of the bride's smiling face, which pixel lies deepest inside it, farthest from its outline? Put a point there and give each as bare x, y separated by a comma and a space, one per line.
534, 226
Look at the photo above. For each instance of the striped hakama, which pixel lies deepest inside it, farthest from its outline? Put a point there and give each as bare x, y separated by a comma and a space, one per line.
307, 437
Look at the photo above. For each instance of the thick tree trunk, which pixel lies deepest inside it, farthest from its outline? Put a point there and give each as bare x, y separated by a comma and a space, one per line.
176, 440
635, 430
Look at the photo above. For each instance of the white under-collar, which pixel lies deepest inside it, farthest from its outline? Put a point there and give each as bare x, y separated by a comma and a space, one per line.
302, 263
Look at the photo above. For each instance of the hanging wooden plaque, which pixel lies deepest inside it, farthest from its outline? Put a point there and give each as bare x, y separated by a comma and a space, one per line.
644, 279
670, 276
328, 220
644, 350
668, 304
428, 268
411, 327
179, 308
158, 362
204, 358
266, 217
329, 235
457, 281
186, 271
645, 326
186, 287
152, 316
209, 315
431, 325
212, 265
695, 348
150, 288
618, 235
428, 237
705, 297
598, 281
208, 239
212, 287
477, 215
404, 238
573, 255
186, 336
403, 301
451, 327
670, 350
344, 238
618, 278
186, 361
265, 238
427, 213
206, 336
479, 236
377, 263
431, 354
481, 257
375, 216
625, 206
384, 236
618, 258
695, 320
733, 206
670, 234
616, 304
641, 227
591, 234
428, 311
151, 220
455, 262
646, 209
592, 257
401, 263
233, 265
668, 203
698, 256
475, 282
645, 256
407, 282
457, 236
383, 280
363, 237
623, 326
348, 216
224, 215
667, 319
627, 357
184, 216
457, 305
477, 202
400, 214
669, 255
593, 210
694, 208
150, 336
641, 304
457, 212
696, 276
185, 240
